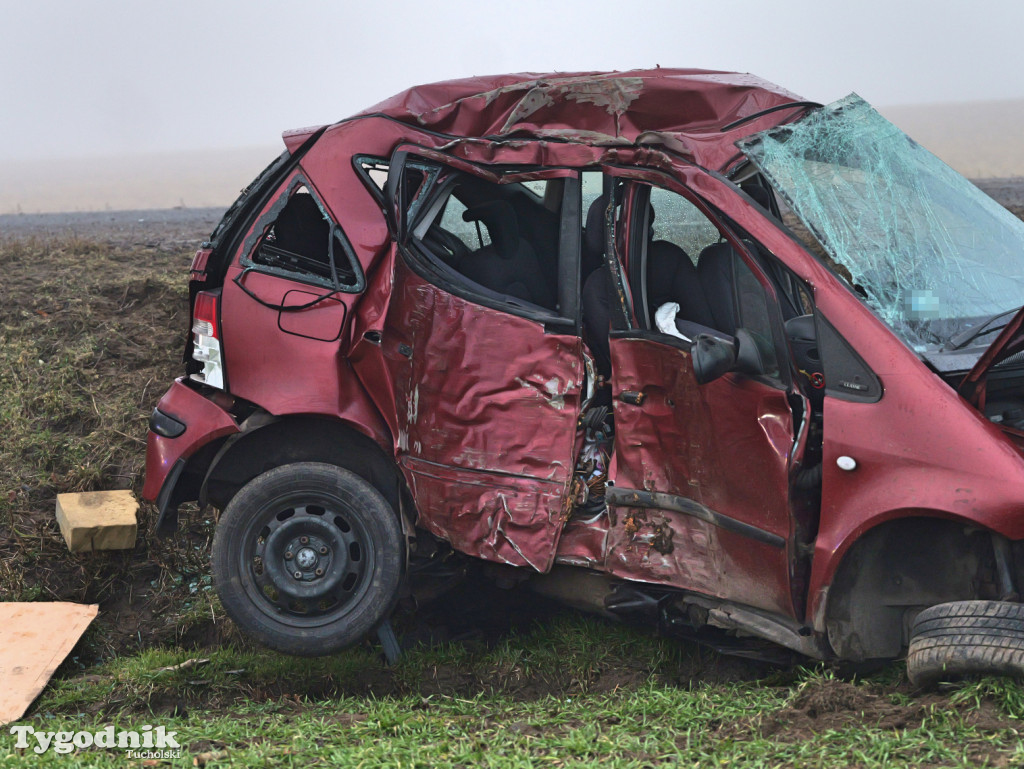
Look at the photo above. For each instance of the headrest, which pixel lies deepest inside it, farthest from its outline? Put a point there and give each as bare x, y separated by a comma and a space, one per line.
502, 224
594, 233
717, 256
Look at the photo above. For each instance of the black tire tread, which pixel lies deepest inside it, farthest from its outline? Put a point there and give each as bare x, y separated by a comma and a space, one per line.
966, 638
976, 608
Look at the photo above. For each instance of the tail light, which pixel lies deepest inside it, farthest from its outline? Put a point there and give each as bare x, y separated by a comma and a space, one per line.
206, 340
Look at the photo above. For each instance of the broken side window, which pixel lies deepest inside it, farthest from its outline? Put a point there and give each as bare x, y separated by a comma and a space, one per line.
680, 222
299, 241
472, 234
374, 173
931, 253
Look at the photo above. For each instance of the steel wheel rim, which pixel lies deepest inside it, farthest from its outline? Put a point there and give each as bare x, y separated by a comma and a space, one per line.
284, 546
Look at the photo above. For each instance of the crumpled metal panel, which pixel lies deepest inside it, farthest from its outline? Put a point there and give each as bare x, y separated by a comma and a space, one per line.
930, 251
726, 445
668, 548
498, 518
685, 107
488, 401
584, 542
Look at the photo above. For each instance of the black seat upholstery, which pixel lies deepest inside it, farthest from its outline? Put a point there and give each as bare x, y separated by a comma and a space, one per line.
596, 304
671, 277
301, 228
508, 265
730, 286
715, 267
594, 236
597, 295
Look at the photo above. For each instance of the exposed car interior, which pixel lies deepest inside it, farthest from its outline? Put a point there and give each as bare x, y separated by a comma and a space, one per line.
300, 240
503, 238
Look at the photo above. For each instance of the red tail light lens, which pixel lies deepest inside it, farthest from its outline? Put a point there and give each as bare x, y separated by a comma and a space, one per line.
204, 315
206, 340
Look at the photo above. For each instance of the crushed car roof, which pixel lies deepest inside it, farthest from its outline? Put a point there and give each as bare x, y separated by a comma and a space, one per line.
682, 109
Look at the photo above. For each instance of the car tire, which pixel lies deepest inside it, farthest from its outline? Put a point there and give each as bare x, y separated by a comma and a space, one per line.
307, 558
965, 639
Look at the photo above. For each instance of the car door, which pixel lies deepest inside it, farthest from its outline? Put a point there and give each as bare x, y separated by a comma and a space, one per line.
700, 471
481, 346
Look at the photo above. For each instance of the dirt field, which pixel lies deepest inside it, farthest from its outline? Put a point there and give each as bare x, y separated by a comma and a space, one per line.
92, 318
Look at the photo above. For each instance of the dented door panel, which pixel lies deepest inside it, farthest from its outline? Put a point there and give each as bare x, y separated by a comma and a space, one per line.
725, 446
669, 548
486, 411
506, 519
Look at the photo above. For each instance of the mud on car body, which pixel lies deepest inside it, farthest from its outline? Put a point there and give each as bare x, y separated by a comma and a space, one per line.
561, 325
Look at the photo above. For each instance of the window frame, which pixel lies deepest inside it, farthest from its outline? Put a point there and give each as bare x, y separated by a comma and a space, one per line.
270, 215
745, 247
430, 202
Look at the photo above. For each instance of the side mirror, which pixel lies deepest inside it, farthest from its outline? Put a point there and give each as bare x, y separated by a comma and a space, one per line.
712, 358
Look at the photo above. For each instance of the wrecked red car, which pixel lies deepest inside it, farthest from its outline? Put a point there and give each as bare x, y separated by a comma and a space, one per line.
668, 345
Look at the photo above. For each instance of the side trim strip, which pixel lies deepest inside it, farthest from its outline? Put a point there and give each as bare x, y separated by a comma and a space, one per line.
619, 497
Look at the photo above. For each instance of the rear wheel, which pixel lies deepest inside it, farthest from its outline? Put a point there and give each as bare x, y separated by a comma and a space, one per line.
964, 639
307, 558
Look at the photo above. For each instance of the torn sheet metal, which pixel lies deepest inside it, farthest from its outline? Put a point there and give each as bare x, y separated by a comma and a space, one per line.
687, 106
668, 548
34, 639
508, 520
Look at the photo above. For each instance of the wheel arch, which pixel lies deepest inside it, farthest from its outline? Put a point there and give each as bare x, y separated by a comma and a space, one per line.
286, 440
897, 568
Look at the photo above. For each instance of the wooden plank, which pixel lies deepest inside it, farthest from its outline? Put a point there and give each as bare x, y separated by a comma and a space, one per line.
34, 639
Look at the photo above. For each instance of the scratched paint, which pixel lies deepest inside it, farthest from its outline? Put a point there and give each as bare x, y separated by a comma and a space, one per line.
725, 444
498, 518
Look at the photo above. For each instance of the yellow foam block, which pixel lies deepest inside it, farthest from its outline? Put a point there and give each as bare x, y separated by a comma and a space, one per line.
98, 520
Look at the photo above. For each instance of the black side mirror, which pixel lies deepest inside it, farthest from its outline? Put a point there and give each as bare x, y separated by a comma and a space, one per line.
712, 358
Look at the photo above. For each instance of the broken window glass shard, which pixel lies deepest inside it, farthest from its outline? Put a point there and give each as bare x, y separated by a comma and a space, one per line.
930, 252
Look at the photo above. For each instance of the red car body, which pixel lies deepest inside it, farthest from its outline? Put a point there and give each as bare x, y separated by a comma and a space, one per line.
780, 507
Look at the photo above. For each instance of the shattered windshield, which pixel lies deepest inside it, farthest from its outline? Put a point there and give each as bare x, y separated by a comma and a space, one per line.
931, 253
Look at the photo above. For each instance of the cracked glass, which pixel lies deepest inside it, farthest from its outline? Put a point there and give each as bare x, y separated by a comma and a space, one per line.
937, 259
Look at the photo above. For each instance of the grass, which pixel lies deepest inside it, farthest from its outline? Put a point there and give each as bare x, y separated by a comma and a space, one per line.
652, 721
90, 334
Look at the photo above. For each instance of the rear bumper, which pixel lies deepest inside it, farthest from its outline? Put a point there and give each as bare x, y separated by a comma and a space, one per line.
196, 420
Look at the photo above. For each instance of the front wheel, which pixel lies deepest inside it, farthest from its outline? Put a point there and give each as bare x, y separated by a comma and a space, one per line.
307, 558
965, 639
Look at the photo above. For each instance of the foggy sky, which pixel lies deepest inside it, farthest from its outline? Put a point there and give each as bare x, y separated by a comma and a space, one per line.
112, 77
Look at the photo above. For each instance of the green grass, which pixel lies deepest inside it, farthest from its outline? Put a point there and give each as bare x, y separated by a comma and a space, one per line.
655, 720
